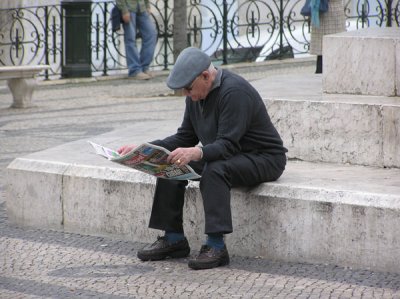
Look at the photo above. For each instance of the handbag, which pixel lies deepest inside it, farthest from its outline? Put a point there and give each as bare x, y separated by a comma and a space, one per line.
306, 9
116, 19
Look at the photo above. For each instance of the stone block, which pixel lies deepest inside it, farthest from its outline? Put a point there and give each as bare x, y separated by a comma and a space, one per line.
34, 193
107, 201
365, 61
360, 130
391, 136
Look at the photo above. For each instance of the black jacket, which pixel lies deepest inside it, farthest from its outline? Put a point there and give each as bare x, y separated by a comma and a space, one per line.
231, 119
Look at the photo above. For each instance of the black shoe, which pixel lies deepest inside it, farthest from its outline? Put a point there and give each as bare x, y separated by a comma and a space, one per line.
210, 258
161, 249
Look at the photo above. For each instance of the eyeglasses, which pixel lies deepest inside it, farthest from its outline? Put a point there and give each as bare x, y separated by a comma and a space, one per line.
190, 87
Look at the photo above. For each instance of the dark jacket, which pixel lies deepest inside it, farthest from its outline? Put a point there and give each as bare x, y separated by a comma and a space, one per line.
232, 119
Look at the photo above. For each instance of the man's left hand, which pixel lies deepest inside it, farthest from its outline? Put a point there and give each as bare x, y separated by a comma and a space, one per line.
183, 155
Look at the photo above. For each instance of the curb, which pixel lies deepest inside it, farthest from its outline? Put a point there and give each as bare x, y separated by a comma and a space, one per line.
264, 65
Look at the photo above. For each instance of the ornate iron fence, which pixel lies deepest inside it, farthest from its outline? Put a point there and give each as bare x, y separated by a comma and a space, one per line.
228, 30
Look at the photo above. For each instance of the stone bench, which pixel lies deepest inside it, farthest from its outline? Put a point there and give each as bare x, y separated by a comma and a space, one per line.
21, 81
365, 61
316, 212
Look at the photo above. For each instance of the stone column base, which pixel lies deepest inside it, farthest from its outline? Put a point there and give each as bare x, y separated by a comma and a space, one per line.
22, 90
366, 61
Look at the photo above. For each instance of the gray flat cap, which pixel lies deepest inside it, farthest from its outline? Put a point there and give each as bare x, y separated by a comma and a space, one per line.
189, 64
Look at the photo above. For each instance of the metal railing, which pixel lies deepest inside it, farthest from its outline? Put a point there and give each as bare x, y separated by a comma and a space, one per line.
228, 30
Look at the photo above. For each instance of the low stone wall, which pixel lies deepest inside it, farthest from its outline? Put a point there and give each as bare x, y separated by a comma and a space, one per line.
317, 213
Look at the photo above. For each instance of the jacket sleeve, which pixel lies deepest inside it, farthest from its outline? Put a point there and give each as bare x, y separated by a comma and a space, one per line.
122, 6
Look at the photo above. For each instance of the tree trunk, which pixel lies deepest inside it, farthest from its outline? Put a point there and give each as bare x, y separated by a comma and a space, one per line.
180, 24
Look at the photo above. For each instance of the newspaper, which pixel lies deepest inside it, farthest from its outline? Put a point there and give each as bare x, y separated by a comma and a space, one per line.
150, 159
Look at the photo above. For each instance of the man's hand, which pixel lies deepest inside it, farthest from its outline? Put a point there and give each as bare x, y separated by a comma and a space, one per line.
183, 155
126, 17
125, 149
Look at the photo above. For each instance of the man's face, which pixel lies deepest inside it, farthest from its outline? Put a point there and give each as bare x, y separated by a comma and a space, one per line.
198, 89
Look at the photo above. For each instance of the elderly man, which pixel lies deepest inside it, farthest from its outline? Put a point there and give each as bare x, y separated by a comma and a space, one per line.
227, 136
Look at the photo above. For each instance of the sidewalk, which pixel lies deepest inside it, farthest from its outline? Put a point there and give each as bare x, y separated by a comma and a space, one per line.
47, 264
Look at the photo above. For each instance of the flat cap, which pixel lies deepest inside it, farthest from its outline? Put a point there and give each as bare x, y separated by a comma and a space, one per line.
190, 63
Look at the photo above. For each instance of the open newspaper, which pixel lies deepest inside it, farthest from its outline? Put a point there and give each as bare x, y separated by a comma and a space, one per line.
148, 158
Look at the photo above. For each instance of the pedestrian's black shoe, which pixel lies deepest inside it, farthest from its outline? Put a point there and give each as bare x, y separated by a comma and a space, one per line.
161, 249
210, 258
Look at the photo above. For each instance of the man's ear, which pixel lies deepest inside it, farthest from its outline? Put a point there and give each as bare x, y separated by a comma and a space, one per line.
206, 75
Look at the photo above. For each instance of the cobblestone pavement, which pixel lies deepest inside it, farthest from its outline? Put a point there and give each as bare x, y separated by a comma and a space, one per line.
38, 263
48, 264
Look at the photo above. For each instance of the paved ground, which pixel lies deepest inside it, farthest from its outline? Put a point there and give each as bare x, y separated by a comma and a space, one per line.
48, 264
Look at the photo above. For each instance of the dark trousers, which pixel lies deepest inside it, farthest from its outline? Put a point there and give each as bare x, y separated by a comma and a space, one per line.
318, 69
218, 177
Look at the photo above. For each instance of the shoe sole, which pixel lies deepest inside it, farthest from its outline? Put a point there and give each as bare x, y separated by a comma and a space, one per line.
159, 257
143, 76
202, 266
140, 79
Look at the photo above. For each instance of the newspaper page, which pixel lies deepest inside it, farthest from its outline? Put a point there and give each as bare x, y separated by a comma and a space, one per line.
150, 159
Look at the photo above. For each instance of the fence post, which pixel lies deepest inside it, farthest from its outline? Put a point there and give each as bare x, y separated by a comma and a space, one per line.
46, 40
105, 47
281, 28
389, 13
225, 33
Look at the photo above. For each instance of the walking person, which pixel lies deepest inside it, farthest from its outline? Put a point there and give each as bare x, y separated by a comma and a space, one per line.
226, 136
330, 22
136, 18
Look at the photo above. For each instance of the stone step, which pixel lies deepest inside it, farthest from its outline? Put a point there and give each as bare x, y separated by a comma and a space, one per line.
316, 212
334, 128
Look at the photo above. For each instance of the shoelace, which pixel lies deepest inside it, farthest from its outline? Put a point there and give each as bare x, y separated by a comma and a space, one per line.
160, 239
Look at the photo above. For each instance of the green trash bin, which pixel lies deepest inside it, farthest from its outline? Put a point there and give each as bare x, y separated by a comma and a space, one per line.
77, 41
